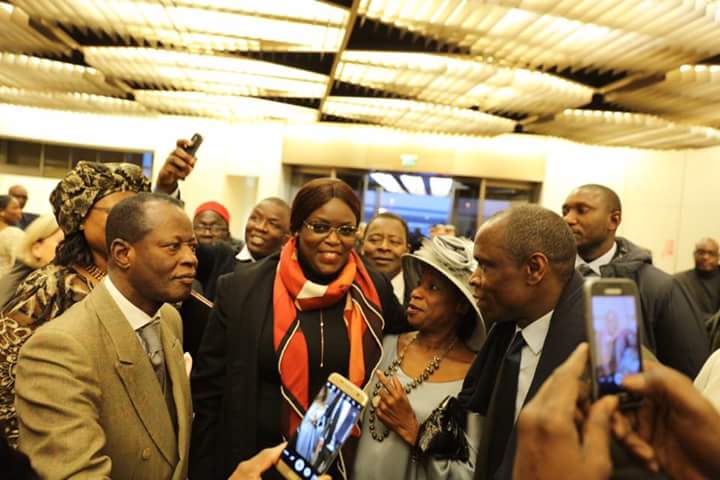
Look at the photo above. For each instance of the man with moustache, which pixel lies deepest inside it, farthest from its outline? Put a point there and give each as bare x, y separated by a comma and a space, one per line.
702, 283
384, 244
102, 391
672, 327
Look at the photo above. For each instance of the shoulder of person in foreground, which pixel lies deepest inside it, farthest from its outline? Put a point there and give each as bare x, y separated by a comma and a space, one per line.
58, 397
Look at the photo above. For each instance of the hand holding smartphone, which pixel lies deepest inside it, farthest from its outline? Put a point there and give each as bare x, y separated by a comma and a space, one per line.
323, 431
612, 316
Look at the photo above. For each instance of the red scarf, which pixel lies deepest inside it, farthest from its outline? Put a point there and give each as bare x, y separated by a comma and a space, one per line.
363, 319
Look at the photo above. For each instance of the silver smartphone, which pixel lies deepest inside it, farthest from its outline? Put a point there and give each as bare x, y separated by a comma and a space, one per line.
323, 430
613, 317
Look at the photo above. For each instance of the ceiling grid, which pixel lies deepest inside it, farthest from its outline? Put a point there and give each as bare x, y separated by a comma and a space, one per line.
634, 73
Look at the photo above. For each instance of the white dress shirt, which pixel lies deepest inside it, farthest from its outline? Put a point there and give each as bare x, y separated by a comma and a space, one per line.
398, 285
135, 317
534, 335
603, 259
245, 255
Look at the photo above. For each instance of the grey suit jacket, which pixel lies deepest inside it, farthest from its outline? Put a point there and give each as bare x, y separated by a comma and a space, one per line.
89, 404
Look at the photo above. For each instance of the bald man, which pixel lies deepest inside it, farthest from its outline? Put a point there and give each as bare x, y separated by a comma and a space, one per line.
20, 194
702, 283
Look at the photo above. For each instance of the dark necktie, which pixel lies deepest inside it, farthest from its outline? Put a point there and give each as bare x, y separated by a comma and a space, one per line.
504, 403
586, 271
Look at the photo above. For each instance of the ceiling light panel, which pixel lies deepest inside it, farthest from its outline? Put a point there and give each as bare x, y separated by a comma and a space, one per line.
626, 129
22, 71
222, 106
79, 102
690, 94
16, 34
634, 35
414, 184
291, 25
413, 115
388, 182
440, 186
210, 73
462, 82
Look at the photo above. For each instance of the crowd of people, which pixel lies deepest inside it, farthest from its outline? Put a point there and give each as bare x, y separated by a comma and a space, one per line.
138, 342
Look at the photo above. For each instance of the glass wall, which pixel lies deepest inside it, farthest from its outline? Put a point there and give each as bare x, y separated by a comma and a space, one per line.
424, 200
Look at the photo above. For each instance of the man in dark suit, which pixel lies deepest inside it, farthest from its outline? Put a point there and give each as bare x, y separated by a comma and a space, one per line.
531, 297
673, 326
20, 194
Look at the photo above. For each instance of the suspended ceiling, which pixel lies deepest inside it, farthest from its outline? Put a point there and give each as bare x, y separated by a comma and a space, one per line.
643, 73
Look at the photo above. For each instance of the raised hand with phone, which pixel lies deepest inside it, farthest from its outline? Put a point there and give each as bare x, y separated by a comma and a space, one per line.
178, 165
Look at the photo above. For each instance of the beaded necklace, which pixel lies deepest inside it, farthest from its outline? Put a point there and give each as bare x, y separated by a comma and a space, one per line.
391, 370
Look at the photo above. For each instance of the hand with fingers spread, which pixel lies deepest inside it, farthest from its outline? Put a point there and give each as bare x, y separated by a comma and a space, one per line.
675, 421
178, 165
394, 410
558, 440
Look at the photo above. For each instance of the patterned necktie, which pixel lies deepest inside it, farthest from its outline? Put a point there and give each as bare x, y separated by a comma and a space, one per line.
586, 271
151, 336
504, 402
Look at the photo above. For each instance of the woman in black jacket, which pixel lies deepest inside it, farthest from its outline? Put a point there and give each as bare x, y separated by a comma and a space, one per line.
281, 326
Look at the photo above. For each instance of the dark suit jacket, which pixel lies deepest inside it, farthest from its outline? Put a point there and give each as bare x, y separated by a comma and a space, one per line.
225, 374
27, 219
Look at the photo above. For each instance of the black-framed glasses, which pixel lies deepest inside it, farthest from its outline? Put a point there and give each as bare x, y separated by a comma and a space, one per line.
210, 228
322, 228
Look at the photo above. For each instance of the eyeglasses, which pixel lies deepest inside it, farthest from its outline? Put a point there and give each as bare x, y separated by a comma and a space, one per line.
326, 228
210, 228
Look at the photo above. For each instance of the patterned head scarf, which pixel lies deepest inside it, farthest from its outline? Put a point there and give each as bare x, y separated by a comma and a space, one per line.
87, 183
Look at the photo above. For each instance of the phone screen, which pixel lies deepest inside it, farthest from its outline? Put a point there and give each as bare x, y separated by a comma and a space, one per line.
322, 432
616, 344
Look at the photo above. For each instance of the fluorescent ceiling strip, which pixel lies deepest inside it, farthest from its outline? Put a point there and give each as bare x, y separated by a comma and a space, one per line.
16, 34
388, 182
35, 73
462, 81
222, 106
440, 186
211, 73
414, 184
82, 102
412, 115
599, 34
302, 24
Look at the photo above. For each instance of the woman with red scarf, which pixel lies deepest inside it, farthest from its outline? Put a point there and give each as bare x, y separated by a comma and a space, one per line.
281, 326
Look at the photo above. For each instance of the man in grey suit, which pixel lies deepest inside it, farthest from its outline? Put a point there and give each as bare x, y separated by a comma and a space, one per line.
102, 391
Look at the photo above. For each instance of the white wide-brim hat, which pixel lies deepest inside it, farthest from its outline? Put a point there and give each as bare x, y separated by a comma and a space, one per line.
453, 258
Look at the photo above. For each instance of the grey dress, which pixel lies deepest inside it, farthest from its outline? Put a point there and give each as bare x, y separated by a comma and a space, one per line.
391, 458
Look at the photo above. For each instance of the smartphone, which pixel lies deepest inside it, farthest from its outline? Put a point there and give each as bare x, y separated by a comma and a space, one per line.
195, 143
613, 318
323, 431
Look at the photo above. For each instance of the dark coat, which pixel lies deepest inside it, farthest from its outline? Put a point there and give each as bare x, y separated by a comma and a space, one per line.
225, 374
673, 328
567, 330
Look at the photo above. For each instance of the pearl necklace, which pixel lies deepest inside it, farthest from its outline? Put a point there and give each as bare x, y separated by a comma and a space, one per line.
431, 367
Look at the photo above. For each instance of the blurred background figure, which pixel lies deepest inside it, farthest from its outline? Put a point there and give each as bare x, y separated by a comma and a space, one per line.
436, 230
450, 230
702, 283
35, 250
20, 194
10, 234
212, 224
384, 244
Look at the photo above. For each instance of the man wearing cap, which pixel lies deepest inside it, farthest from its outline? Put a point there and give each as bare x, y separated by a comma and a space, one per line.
20, 193
212, 224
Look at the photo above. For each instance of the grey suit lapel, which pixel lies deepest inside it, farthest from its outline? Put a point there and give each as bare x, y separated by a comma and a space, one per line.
136, 373
175, 364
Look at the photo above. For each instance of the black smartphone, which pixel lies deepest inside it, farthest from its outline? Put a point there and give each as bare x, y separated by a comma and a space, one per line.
613, 316
195, 143
323, 430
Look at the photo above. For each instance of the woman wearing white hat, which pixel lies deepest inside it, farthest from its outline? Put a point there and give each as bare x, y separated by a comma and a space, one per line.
421, 368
